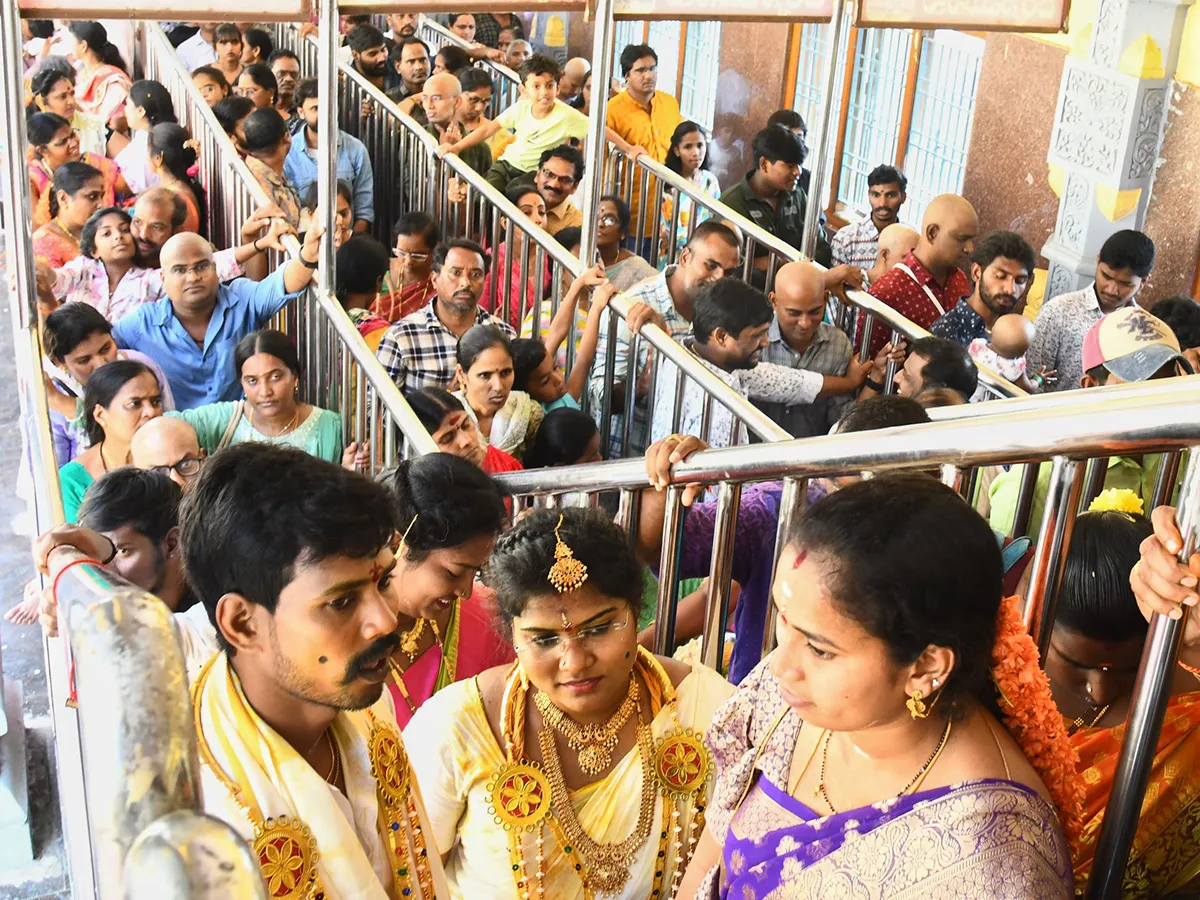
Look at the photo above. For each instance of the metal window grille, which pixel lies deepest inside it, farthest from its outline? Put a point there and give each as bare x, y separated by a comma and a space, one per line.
876, 101
941, 122
664, 38
814, 45
701, 55
625, 33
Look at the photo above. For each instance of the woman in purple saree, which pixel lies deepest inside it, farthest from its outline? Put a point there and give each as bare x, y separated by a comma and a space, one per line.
866, 756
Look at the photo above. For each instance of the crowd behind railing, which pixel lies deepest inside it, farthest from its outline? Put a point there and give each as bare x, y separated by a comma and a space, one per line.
696, 324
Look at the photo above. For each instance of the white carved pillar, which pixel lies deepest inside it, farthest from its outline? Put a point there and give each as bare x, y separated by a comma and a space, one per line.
1108, 129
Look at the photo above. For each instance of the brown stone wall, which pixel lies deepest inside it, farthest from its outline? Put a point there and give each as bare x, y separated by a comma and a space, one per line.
1005, 178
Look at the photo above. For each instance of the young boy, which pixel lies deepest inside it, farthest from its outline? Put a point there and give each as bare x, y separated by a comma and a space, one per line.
539, 121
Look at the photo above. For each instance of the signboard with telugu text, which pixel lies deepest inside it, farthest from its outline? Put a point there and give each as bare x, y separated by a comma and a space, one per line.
967, 15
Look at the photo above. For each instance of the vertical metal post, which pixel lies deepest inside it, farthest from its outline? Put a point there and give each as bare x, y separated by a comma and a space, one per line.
668, 573
1058, 521
327, 139
1024, 508
716, 612
1168, 474
831, 68
791, 504
1151, 691
1093, 484
602, 47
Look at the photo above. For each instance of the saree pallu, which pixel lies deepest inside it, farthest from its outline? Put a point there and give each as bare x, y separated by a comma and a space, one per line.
985, 838
397, 301
41, 182
1165, 857
455, 754
103, 92
470, 645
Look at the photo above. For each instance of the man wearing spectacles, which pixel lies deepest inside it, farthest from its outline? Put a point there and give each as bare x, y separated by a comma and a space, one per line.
170, 448
558, 175
192, 332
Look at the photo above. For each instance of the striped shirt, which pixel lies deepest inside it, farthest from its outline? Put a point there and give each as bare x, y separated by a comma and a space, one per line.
418, 351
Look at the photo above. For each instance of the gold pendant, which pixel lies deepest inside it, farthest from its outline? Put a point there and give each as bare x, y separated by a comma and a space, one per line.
410, 641
287, 855
593, 759
519, 796
682, 763
389, 765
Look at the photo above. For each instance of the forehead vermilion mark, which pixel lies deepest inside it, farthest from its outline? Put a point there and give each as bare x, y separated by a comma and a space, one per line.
376, 571
801, 555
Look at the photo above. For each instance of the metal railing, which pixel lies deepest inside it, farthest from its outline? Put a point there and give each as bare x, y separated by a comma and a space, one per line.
408, 174
649, 178
505, 82
341, 373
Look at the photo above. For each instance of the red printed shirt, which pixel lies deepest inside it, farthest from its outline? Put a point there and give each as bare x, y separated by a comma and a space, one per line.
907, 295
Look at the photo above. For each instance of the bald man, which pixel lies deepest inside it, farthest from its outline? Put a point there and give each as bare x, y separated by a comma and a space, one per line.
170, 448
801, 339
574, 75
930, 281
192, 332
895, 242
442, 103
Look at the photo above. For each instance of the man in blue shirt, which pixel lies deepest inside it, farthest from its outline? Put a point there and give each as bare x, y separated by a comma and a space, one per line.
192, 332
353, 167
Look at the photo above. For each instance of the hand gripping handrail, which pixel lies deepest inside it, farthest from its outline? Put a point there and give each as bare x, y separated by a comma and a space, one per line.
330, 375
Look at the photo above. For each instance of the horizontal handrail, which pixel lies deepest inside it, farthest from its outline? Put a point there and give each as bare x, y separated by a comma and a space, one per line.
506, 82
755, 234
1179, 388
1129, 426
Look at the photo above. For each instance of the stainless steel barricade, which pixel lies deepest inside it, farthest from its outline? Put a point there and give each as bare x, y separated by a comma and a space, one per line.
505, 81
340, 371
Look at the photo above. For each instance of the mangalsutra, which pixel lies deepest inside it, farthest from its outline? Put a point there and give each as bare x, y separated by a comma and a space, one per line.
410, 641
1079, 722
593, 743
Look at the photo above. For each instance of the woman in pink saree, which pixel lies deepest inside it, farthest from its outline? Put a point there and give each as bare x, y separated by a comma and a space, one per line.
451, 513
900, 741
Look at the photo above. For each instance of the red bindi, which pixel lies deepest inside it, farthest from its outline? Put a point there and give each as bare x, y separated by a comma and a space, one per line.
376, 571
801, 555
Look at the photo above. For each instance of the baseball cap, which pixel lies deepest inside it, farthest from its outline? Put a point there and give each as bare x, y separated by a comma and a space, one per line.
1131, 344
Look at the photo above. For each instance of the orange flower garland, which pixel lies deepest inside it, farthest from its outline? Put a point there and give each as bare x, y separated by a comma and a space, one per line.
1032, 718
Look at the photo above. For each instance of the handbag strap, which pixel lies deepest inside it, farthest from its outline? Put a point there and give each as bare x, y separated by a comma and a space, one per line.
234, 421
925, 287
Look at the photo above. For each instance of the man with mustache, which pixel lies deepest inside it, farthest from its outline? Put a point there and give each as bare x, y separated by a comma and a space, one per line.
292, 559
411, 63
192, 332
1000, 269
418, 351
857, 244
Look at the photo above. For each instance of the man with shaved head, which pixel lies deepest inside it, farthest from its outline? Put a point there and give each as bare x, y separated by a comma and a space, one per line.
801, 339
895, 242
571, 81
170, 448
930, 281
192, 332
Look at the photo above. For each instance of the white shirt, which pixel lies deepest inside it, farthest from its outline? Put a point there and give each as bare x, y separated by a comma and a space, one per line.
766, 381
196, 52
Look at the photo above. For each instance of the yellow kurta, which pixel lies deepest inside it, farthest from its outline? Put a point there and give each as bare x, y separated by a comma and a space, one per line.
454, 754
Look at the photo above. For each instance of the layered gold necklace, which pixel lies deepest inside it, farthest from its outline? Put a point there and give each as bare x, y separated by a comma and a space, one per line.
528, 798
593, 743
410, 641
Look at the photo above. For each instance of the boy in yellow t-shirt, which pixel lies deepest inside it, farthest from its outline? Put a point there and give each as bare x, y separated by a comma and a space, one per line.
538, 120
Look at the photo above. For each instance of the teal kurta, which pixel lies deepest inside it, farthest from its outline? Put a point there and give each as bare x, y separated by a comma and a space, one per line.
319, 435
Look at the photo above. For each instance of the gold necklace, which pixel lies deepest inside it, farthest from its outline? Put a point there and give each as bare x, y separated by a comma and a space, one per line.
920, 776
410, 641
1078, 723
593, 743
286, 428
335, 765
608, 864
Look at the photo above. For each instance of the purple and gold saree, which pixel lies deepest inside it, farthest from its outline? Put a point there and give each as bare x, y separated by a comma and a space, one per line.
985, 838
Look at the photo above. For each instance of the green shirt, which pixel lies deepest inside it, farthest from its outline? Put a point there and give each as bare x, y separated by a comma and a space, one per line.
319, 435
73, 480
1122, 473
785, 220
533, 136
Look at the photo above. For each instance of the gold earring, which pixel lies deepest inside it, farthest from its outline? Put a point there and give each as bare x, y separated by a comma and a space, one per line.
916, 706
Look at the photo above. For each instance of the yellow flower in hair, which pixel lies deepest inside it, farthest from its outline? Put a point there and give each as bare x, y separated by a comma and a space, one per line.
1119, 500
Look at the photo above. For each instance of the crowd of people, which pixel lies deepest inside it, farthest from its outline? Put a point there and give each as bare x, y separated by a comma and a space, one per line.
401, 689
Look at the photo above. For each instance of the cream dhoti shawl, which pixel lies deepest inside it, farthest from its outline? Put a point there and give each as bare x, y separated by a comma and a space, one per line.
370, 854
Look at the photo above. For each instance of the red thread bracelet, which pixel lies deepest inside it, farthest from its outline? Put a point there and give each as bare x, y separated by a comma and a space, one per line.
1193, 670
62, 571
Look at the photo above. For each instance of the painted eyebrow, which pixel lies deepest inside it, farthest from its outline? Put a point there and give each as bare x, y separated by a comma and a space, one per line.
583, 624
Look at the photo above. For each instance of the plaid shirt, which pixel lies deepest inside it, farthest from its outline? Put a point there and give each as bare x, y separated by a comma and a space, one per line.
856, 244
487, 29
418, 351
654, 293
828, 354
